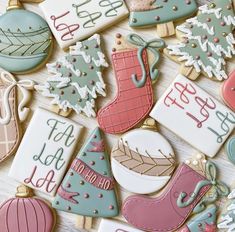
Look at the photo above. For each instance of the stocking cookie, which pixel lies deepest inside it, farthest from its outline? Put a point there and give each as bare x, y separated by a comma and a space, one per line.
228, 91
143, 160
194, 115
25, 39
115, 226
45, 151
205, 221
207, 41
71, 21
77, 78
26, 213
88, 187
134, 75
160, 13
183, 193
13, 112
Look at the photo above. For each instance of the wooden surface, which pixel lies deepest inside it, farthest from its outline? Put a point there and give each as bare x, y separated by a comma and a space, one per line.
169, 69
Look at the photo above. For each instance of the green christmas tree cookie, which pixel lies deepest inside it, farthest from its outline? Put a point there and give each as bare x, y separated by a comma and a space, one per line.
161, 13
88, 187
77, 78
207, 41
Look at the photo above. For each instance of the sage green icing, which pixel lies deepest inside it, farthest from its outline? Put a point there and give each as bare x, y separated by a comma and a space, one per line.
163, 13
25, 41
218, 189
77, 184
77, 77
230, 148
152, 46
192, 47
205, 221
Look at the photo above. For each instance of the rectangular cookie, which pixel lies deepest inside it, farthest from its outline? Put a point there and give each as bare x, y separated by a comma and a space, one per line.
194, 115
45, 151
71, 21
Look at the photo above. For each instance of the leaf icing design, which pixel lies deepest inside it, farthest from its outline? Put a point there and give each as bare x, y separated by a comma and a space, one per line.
35, 43
144, 165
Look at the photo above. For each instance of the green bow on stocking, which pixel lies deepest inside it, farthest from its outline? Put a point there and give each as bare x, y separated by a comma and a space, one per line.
219, 189
153, 46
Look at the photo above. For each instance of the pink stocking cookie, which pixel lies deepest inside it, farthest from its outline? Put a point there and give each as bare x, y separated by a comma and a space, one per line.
134, 77
183, 193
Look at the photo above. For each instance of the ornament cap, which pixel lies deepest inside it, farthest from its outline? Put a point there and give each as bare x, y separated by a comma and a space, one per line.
24, 192
150, 124
14, 4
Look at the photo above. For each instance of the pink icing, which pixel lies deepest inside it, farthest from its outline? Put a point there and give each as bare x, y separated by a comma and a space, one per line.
162, 214
228, 91
24, 215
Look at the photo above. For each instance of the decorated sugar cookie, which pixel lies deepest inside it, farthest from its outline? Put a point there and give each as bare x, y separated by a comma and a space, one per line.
72, 21
205, 221
194, 185
88, 187
143, 160
194, 115
45, 151
228, 91
226, 221
160, 13
77, 78
230, 149
26, 213
207, 41
115, 226
25, 39
13, 112
135, 62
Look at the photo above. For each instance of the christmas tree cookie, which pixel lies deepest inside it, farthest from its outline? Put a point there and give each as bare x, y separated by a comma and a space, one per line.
207, 41
206, 221
77, 78
161, 13
88, 187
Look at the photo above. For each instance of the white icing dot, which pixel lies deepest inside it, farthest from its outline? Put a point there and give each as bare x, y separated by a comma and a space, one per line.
187, 161
204, 161
199, 156
195, 162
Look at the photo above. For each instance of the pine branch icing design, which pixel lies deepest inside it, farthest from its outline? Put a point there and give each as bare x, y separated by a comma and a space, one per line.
19, 43
77, 78
208, 39
144, 164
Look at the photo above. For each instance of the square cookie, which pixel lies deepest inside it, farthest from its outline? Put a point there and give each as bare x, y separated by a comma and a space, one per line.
194, 115
45, 151
71, 21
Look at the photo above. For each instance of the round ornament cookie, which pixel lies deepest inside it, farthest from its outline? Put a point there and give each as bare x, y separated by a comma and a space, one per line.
24, 213
143, 160
25, 40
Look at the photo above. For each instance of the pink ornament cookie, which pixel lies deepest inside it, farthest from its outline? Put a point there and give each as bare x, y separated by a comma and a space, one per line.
26, 214
228, 91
